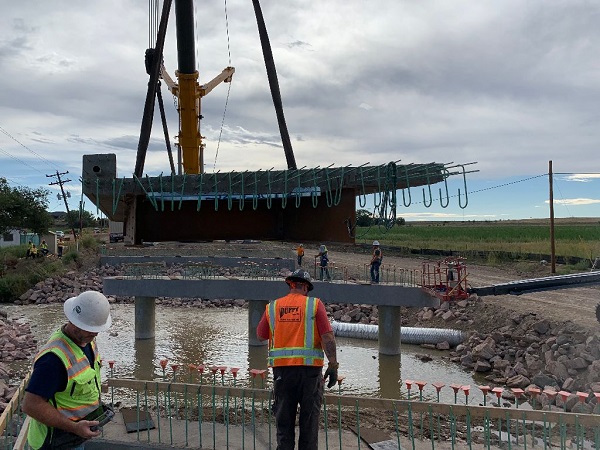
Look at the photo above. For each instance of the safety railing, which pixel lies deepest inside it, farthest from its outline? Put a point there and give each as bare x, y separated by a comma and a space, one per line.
13, 423
217, 411
213, 414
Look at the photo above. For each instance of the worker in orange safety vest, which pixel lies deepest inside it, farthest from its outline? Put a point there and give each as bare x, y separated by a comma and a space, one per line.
300, 336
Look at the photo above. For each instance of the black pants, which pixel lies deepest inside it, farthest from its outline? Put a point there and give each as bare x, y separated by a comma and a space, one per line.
298, 385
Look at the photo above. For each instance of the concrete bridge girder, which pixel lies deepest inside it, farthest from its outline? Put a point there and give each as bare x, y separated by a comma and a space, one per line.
389, 298
304, 204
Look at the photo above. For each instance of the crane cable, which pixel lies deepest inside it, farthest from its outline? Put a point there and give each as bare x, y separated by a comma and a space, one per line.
228, 89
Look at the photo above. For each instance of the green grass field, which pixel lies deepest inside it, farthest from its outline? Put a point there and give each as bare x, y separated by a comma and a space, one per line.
578, 240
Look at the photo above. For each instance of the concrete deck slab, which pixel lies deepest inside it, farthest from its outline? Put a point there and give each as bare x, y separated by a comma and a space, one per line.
266, 290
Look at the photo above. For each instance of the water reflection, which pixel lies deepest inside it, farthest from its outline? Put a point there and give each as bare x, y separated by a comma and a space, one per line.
214, 336
389, 376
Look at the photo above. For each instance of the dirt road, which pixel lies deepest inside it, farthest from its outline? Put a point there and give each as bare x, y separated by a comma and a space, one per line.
575, 304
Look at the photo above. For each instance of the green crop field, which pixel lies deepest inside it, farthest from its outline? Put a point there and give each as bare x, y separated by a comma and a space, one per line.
571, 239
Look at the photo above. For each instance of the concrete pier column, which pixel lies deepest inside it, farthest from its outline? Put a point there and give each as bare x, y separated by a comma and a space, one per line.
145, 317
256, 309
389, 330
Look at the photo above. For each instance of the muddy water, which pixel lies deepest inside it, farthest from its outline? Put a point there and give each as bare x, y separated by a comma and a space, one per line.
220, 337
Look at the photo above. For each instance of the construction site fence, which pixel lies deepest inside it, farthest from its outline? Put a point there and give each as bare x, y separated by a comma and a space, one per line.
218, 414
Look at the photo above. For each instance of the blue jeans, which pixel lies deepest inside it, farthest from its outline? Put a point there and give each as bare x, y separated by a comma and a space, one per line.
375, 271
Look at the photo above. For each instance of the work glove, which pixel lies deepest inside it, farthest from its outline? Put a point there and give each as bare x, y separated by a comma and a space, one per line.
332, 374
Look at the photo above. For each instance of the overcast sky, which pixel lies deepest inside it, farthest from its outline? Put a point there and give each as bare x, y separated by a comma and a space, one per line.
509, 84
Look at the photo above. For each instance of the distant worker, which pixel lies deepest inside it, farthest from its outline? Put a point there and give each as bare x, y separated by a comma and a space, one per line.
33, 251
44, 248
59, 248
300, 254
376, 259
63, 394
29, 247
323, 263
299, 335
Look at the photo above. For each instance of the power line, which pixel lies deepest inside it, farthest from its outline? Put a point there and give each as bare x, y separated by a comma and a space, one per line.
20, 160
25, 147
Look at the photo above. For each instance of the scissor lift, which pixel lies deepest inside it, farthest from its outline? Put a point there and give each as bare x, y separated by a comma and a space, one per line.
446, 279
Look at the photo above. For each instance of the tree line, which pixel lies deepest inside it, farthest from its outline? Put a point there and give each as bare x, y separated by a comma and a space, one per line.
23, 208
365, 218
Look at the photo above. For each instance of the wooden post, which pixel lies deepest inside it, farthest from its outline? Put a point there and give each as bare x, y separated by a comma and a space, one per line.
552, 244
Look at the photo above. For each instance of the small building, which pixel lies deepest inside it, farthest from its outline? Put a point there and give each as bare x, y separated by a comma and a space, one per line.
10, 238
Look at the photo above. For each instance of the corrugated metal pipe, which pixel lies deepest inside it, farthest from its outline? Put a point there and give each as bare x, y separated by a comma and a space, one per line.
408, 335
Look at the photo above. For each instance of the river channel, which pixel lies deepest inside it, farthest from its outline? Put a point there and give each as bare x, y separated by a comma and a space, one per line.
219, 337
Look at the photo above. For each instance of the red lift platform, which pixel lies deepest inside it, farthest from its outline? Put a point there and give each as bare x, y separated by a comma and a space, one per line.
446, 279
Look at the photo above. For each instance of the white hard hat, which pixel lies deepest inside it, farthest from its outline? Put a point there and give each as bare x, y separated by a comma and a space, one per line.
375, 242
89, 311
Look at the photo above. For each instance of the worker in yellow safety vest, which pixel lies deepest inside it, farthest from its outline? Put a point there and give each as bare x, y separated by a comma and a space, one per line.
299, 335
63, 394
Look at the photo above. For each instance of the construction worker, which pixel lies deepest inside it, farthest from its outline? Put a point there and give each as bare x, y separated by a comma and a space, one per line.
323, 263
59, 248
29, 247
63, 394
33, 251
44, 248
299, 335
376, 259
300, 254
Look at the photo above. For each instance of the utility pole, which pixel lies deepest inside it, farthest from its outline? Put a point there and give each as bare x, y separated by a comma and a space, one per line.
60, 183
552, 244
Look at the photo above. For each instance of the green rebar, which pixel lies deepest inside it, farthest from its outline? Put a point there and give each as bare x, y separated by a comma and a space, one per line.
326, 423
242, 201
153, 197
269, 198
339, 405
162, 197
137, 412
158, 412
152, 200
226, 415
118, 196
255, 194
243, 420
216, 192
314, 198
147, 414
411, 433
431, 430
214, 409
357, 423
172, 192
200, 183
469, 428
169, 413
508, 439
563, 432
545, 435
397, 425
186, 414
486, 428
200, 412
284, 196
362, 195
421, 414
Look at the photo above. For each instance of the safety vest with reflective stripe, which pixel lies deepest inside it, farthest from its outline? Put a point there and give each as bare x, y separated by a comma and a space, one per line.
82, 394
294, 339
